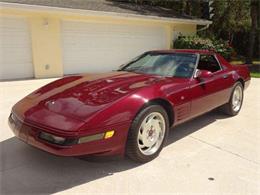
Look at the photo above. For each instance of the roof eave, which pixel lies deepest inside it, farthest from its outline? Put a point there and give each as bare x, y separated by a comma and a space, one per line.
102, 13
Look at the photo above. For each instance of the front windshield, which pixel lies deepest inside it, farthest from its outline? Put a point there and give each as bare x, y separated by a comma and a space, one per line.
164, 64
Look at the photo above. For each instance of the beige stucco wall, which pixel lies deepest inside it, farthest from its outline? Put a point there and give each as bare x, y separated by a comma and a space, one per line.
46, 34
46, 46
183, 29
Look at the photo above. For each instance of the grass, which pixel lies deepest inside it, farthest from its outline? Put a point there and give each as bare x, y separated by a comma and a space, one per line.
255, 74
242, 62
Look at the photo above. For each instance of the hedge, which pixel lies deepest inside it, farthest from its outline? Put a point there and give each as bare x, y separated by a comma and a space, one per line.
196, 42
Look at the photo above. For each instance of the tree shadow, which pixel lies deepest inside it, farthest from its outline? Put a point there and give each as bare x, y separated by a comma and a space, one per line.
26, 170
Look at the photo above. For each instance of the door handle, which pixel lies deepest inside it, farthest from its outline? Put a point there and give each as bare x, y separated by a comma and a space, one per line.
225, 76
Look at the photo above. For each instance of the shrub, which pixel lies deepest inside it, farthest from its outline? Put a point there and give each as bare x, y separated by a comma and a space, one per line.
196, 42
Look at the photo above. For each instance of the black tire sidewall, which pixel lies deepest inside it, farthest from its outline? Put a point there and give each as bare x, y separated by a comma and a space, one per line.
132, 149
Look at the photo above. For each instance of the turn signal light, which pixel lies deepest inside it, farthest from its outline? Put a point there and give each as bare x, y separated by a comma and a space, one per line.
109, 134
96, 137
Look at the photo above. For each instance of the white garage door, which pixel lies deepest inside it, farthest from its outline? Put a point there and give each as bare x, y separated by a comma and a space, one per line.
95, 47
15, 49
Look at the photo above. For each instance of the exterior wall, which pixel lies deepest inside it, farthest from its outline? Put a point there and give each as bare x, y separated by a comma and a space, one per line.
46, 34
183, 29
46, 47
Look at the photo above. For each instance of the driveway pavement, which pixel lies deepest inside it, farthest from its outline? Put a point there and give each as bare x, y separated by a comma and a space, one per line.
212, 154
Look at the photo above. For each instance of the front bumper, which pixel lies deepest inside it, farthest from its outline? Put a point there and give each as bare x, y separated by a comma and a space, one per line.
30, 135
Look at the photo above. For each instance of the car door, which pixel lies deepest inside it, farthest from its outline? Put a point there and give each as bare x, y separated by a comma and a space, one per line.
179, 95
211, 92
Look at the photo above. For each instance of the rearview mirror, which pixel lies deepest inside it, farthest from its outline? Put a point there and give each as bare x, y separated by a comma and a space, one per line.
202, 74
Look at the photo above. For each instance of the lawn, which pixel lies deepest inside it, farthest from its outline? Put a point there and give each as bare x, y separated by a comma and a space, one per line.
243, 62
255, 74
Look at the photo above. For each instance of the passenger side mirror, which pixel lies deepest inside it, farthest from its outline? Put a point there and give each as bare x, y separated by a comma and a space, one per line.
202, 74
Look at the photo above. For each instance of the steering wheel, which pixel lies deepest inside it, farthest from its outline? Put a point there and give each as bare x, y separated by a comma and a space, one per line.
183, 70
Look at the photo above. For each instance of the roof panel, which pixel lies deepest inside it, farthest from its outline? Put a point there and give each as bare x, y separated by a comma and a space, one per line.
106, 6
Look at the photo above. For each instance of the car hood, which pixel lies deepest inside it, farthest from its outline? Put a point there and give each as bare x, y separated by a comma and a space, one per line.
79, 97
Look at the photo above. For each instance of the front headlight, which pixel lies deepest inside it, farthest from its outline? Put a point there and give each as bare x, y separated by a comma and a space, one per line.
52, 138
71, 141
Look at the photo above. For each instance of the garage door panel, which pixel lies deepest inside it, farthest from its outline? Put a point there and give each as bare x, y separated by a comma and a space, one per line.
15, 55
90, 47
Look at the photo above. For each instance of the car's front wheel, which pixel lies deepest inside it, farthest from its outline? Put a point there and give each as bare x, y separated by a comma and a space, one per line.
147, 134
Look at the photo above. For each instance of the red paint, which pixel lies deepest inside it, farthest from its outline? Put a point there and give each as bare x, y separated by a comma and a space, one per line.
82, 105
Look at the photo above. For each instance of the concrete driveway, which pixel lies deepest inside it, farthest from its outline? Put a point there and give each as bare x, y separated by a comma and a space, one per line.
212, 154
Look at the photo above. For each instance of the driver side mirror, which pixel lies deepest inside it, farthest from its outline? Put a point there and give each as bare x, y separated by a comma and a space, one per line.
202, 74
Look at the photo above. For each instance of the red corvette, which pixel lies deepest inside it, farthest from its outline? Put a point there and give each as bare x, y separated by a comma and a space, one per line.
129, 111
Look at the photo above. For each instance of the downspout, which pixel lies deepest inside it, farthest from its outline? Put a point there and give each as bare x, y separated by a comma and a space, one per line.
203, 28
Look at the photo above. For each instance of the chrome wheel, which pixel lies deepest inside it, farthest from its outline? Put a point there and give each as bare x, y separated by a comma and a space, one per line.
151, 133
237, 98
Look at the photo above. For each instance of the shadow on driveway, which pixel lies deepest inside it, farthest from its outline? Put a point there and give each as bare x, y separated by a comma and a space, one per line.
26, 170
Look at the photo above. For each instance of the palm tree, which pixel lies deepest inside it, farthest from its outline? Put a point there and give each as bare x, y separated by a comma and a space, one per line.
254, 12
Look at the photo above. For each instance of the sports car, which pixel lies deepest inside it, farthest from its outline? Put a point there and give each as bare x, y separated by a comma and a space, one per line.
128, 112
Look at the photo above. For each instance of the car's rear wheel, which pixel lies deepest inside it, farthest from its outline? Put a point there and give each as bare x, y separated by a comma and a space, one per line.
147, 134
234, 105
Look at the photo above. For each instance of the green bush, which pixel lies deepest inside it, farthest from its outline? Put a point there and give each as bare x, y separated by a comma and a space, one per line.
196, 42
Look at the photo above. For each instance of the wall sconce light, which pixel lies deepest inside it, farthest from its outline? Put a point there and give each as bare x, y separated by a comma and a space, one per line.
47, 66
45, 22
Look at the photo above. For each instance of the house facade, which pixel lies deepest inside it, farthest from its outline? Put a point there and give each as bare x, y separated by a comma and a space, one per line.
41, 41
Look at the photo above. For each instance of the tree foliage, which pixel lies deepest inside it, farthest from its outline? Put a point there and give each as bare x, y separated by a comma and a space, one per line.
237, 21
230, 17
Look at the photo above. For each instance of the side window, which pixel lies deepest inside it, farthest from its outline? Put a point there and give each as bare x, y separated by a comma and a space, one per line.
209, 63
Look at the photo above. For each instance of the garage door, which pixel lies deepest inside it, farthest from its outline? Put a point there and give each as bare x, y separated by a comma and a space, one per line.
95, 47
15, 49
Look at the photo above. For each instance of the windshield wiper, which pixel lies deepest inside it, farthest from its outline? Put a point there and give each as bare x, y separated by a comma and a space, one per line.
130, 69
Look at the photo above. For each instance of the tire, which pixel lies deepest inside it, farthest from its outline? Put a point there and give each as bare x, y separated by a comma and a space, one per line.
151, 122
229, 107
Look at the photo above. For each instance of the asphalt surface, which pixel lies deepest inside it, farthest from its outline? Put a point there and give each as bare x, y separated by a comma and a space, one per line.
212, 154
